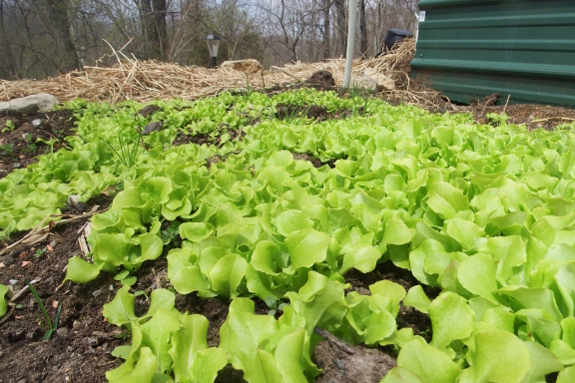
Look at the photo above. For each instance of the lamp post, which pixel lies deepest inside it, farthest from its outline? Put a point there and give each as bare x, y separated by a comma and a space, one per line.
213, 42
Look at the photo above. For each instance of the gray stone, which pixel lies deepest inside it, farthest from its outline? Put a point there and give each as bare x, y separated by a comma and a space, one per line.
96, 293
62, 332
383, 82
149, 110
363, 82
7, 260
73, 199
37, 122
38, 103
152, 127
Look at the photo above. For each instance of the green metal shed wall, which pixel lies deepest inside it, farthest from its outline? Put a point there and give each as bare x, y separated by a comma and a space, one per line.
472, 48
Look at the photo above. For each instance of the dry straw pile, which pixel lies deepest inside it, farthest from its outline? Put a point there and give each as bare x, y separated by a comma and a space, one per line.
132, 79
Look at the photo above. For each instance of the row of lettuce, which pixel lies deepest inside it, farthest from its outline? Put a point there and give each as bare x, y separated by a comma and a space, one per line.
485, 213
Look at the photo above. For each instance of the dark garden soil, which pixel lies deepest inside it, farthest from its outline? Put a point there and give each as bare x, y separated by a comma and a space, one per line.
209, 139
321, 80
533, 115
408, 316
80, 350
316, 162
314, 112
19, 146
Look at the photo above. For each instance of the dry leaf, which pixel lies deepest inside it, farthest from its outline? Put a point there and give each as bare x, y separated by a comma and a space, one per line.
23, 254
49, 248
55, 304
25, 263
2, 265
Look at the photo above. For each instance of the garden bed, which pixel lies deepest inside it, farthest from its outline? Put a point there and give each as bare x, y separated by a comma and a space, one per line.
347, 239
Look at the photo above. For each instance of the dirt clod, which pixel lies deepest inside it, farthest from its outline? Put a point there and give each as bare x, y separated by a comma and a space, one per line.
149, 110
322, 79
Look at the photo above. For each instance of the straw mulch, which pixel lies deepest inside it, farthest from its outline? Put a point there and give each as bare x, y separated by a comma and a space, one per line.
132, 79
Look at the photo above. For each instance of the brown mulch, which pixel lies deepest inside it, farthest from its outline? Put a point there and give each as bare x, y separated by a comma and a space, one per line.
132, 79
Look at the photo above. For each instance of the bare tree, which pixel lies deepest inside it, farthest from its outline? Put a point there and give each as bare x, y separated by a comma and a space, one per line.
326, 29
58, 10
40, 38
8, 66
362, 28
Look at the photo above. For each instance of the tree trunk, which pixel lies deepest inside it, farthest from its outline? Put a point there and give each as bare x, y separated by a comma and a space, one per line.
58, 10
362, 29
156, 31
149, 30
377, 29
9, 66
341, 25
326, 29
161, 29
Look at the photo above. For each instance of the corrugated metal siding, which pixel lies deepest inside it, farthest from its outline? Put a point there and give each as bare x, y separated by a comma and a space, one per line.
472, 48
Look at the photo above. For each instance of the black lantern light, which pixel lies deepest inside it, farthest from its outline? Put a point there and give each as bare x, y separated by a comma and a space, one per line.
213, 41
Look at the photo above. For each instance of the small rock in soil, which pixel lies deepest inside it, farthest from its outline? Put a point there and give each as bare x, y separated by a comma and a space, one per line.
73, 200
148, 110
152, 127
62, 332
7, 260
96, 293
34, 334
37, 122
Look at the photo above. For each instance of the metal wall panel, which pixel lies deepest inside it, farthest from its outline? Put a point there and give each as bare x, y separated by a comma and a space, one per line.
472, 48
